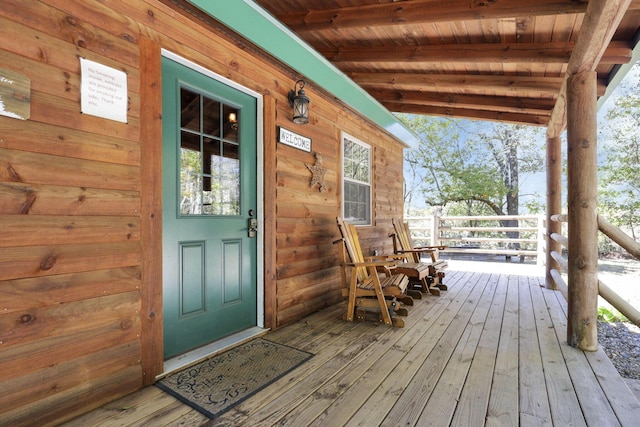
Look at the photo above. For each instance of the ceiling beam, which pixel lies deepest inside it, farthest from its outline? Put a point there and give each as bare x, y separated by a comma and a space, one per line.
408, 12
558, 52
463, 113
507, 104
469, 83
598, 27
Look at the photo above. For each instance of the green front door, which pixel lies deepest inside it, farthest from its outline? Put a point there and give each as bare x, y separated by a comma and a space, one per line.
209, 206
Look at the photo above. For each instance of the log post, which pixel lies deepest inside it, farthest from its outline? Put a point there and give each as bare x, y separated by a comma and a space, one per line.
582, 211
554, 203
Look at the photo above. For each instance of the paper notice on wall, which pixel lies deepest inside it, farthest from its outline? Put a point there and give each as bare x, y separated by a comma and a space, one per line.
103, 91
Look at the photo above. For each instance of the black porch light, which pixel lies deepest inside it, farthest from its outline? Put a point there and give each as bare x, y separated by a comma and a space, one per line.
300, 103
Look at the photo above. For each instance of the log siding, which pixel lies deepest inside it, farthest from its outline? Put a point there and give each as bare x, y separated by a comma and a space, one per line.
81, 210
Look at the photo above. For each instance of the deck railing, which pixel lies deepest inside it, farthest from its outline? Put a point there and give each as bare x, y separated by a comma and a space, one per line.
618, 236
513, 235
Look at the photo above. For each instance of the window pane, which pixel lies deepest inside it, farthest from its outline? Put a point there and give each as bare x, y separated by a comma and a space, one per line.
356, 161
211, 149
190, 174
356, 180
209, 156
211, 117
357, 203
230, 180
231, 122
189, 110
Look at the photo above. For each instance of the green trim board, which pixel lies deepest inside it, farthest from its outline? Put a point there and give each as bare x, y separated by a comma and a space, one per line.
259, 27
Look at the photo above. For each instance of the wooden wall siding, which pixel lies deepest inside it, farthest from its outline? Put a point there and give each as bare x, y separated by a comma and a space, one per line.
80, 201
307, 260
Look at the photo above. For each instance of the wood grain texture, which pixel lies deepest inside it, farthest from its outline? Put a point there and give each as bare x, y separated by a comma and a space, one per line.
360, 371
81, 200
492, 49
151, 211
582, 205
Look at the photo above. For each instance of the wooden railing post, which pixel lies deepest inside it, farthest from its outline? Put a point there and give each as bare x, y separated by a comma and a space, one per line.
554, 204
582, 211
435, 230
541, 241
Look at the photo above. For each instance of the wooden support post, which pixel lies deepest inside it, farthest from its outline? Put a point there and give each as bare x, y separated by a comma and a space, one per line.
554, 203
582, 210
151, 336
270, 180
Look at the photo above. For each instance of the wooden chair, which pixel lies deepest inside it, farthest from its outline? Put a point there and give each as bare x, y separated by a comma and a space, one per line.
366, 289
403, 244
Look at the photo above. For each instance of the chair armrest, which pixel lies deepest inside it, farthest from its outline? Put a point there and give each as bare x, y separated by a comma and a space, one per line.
370, 264
416, 251
383, 258
432, 248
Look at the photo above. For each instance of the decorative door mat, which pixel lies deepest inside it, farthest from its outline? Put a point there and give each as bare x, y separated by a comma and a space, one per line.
216, 385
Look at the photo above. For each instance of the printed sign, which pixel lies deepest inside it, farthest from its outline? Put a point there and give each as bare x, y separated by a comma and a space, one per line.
103, 91
15, 95
294, 140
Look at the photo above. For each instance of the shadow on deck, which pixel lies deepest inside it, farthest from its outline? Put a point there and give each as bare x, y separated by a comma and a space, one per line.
490, 351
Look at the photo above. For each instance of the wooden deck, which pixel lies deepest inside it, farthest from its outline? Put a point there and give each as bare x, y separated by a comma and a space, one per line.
490, 351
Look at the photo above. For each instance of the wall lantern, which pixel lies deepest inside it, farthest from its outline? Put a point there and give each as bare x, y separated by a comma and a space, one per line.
233, 121
300, 104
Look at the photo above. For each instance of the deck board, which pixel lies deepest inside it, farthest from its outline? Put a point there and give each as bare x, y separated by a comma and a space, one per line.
503, 400
398, 395
441, 407
490, 351
534, 410
565, 407
474, 399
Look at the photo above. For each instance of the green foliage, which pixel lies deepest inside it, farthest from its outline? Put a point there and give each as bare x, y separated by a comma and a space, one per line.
611, 316
470, 167
535, 207
618, 172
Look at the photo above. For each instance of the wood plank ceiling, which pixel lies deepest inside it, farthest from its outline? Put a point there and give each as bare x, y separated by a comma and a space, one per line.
500, 60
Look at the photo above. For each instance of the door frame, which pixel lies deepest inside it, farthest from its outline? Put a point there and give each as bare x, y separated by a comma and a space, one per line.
176, 363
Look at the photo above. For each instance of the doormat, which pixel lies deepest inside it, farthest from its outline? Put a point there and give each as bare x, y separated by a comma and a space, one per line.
216, 385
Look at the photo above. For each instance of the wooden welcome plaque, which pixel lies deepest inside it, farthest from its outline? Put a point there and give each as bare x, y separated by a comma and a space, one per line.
15, 95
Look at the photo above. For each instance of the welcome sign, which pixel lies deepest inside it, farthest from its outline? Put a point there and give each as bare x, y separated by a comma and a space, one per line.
294, 140
15, 95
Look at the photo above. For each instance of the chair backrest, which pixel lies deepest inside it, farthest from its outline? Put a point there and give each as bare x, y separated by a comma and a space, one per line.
403, 237
352, 246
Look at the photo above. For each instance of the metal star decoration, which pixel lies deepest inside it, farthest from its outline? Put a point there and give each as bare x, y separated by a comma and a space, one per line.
317, 173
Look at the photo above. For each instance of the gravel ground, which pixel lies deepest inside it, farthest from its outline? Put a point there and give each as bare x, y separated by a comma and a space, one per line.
621, 342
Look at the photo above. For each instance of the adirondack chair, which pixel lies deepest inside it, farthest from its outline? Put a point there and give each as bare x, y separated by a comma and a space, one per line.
366, 290
403, 244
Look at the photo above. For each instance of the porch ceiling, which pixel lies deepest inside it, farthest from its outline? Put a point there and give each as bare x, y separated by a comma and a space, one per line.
502, 60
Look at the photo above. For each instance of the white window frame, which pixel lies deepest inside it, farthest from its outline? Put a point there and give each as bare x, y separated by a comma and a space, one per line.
369, 220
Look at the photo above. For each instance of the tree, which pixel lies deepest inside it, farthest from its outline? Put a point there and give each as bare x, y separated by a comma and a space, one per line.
619, 177
476, 164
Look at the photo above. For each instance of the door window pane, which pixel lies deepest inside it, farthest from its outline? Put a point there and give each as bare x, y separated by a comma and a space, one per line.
211, 116
209, 156
230, 128
190, 110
